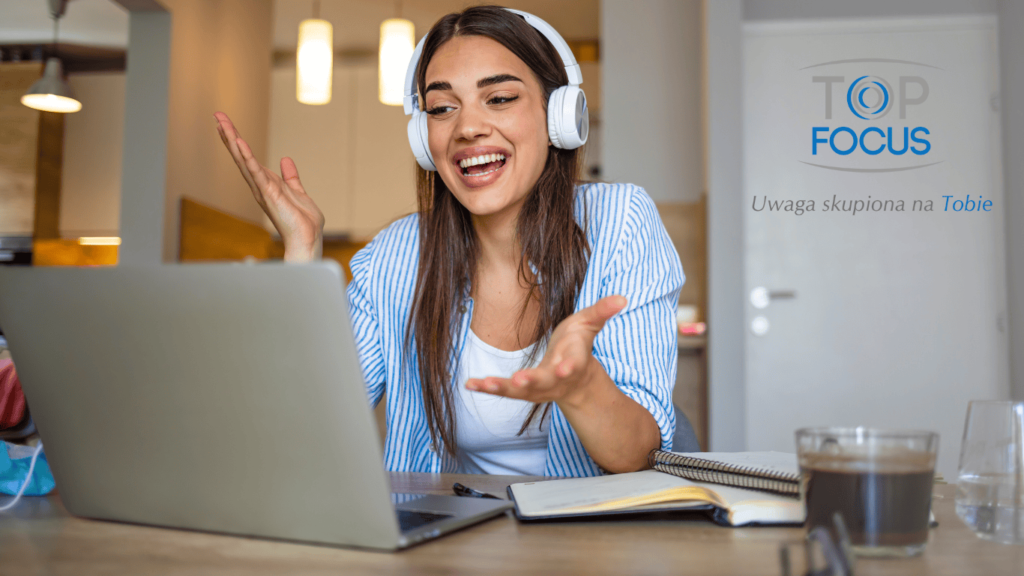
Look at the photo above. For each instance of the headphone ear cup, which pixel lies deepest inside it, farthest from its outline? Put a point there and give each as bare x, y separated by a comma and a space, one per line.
568, 118
417, 132
555, 117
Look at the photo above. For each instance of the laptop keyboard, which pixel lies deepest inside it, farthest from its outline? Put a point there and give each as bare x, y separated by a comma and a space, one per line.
411, 519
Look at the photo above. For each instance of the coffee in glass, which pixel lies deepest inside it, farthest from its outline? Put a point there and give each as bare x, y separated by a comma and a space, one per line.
879, 480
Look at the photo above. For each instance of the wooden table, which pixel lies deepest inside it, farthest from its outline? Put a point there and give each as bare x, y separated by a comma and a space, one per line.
39, 537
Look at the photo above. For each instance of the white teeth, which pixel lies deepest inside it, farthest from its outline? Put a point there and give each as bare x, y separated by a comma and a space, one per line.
482, 159
482, 173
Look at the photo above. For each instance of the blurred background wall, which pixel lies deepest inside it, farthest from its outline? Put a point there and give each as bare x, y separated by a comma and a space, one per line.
219, 61
91, 184
652, 90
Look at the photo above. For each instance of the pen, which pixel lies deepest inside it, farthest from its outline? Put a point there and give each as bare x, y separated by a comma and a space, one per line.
461, 490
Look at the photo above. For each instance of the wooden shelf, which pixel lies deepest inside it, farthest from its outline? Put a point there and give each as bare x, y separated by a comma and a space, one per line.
692, 342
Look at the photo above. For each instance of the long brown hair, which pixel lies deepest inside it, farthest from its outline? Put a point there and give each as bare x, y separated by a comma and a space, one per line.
546, 230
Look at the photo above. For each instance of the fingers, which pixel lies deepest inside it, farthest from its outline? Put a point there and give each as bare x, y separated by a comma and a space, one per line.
567, 368
542, 377
267, 182
259, 175
489, 384
546, 383
290, 174
502, 387
602, 310
229, 136
227, 125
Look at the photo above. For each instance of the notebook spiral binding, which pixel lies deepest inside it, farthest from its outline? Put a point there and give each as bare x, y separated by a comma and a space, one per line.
703, 470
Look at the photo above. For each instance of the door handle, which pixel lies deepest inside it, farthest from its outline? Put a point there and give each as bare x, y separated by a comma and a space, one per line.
761, 297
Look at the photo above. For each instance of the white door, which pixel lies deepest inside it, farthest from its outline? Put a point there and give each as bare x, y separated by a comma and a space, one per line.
889, 292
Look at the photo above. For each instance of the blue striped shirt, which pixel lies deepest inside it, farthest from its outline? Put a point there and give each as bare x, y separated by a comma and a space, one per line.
631, 255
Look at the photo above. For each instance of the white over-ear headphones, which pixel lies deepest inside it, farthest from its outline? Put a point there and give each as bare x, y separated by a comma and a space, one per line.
568, 121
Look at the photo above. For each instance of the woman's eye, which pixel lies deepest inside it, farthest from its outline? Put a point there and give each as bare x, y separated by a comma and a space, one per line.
502, 99
437, 110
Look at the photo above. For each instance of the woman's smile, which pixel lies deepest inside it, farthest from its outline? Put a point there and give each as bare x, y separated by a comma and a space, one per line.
481, 166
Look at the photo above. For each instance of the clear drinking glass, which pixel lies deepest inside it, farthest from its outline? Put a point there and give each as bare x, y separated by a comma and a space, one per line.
880, 481
990, 483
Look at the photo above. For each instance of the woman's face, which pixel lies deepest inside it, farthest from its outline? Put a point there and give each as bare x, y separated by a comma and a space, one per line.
486, 108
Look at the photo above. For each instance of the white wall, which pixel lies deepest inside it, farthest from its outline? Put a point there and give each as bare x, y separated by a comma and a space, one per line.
90, 201
316, 138
1011, 38
651, 87
791, 9
726, 250
220, 60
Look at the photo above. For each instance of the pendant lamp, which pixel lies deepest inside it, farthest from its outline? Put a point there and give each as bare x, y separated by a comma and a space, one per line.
51, 93
397, 42
314, 60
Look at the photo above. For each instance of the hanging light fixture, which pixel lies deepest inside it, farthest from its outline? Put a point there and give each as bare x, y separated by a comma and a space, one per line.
314, 60
51, 93
397, 42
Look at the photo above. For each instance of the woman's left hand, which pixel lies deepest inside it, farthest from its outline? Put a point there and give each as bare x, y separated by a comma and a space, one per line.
568, 366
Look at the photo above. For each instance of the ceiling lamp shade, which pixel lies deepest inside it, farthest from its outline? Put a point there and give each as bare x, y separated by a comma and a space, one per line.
99, 241
397, 42
51, 93
315, 62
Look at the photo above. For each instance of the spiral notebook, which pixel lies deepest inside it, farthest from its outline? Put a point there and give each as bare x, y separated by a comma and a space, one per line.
768, 471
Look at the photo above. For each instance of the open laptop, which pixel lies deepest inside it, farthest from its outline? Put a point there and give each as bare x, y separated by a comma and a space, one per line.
218, 397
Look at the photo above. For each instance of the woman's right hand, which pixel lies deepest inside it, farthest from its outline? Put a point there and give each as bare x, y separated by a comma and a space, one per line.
290, 209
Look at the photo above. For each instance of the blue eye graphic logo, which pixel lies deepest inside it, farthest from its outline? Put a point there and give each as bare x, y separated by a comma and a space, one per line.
869, 97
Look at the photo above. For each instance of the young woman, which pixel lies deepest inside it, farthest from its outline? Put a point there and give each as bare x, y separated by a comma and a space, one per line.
521, 323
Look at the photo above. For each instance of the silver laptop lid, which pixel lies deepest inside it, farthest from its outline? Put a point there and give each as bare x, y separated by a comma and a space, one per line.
221, 397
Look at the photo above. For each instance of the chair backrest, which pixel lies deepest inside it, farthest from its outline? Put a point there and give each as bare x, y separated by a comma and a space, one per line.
685, 440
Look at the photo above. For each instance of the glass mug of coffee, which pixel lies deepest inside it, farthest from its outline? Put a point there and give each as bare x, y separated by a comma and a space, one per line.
879, 480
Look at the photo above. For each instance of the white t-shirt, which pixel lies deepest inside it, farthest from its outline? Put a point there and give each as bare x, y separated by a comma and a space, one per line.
486, 425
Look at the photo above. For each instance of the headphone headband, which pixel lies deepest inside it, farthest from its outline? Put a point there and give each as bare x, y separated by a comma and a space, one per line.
410, 102
572, 69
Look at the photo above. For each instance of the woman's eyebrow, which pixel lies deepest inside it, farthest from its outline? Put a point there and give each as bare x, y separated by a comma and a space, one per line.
496, 79
437, 86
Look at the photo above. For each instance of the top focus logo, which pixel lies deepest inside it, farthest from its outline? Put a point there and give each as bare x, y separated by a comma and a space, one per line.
885, 116
878, 101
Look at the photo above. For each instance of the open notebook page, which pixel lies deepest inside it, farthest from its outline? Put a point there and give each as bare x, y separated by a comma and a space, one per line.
648, 490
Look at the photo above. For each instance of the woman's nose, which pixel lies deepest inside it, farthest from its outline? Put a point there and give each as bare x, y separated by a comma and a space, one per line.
472, 123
